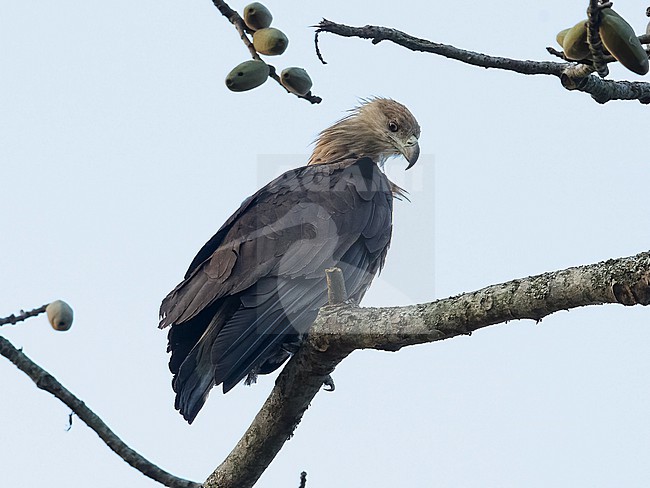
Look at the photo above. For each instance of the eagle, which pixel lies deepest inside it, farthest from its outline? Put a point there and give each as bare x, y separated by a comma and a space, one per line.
254, 289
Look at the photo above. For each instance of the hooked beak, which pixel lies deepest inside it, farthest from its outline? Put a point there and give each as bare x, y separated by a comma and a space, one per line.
411, 151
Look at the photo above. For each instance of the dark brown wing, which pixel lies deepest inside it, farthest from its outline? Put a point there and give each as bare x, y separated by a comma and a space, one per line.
257, 285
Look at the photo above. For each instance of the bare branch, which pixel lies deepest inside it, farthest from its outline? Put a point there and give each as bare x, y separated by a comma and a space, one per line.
340, 330
593, 36
47, 382
235, 19
573, 76
378, 34
14, 319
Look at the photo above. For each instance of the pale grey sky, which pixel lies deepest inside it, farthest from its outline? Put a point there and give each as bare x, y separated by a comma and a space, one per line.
122, 152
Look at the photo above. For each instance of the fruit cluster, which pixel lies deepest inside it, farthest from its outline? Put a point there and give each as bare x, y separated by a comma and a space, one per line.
618, 38
268, 41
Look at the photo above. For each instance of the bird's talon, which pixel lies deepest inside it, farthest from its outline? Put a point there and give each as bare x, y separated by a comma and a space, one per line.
328, 384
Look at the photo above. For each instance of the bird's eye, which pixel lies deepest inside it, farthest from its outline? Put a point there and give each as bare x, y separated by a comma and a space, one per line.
392, 126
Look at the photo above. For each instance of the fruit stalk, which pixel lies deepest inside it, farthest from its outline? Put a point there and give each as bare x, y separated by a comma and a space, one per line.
593, 37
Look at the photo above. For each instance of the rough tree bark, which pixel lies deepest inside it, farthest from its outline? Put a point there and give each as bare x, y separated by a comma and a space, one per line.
341, 329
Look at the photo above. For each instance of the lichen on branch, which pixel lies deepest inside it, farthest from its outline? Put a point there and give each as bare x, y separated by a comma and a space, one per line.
339, 330
343, 328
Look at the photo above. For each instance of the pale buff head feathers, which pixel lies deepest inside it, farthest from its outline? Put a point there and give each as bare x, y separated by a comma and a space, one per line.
380, 128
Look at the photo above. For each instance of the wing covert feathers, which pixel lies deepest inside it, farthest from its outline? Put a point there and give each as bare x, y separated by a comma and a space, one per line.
256, 286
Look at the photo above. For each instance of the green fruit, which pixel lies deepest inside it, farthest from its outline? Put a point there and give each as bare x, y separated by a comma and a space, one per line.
560, 36
257, 16
296, 80
270, 41
620, 40
60, 315
575, 42
247, 75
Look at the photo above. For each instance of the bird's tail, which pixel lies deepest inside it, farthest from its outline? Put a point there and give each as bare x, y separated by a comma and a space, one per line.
194, 373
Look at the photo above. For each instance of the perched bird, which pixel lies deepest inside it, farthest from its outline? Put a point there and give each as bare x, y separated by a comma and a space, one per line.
254, 289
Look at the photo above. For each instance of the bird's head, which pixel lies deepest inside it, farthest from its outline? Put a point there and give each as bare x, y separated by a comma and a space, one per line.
379, 129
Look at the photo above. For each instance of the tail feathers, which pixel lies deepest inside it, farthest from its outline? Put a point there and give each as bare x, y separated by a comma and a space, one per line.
193, 370
192, 384
182, 339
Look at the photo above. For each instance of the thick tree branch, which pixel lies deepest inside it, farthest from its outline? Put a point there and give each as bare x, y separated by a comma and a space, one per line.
573, 76
235, 19
274, 424
47, 382
339, 330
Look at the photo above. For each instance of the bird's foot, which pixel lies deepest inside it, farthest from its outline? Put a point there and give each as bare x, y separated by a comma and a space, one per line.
329, 383
251, 379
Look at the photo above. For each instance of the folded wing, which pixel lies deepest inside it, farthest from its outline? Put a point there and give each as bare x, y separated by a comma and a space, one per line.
256, 286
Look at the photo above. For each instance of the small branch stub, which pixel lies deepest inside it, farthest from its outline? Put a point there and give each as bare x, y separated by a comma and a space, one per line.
336, 292
303, 479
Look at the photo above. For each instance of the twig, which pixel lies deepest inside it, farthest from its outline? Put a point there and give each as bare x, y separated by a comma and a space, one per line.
377, 34
340, 330
318, 53
587, 62
558, 54
594, 17
235, 19
14, 319
336, 292
303, 479
69, 426
573, 76
47, 382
